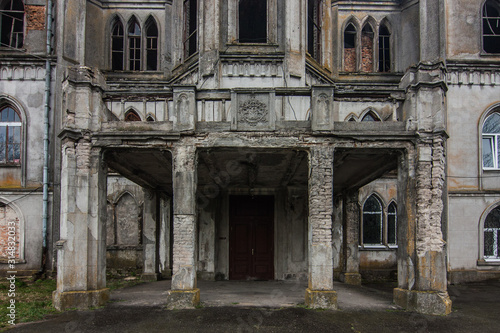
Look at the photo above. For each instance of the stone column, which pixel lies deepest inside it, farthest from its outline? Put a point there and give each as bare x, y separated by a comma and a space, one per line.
320, 293
351, 239
81, 265
184, 293
150, 237
422, 284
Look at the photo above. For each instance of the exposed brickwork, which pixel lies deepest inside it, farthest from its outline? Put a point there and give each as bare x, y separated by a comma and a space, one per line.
7, 214
35, 17
366, 53
430, 181
320, 195
350, 60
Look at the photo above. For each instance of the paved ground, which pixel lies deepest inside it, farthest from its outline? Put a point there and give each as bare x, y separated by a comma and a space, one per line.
275, 307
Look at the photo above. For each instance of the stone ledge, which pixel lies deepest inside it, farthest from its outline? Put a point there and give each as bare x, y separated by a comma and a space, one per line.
321, 299
80, 299
183, 299
425, 302
351, 278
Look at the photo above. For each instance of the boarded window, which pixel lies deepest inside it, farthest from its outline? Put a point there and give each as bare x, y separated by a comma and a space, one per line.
117, 46
132, 116
10, 136
384, 50
190, 27
12, 17
492, 235
10, 233
367, 49
491, 26
252, 21
151, 45
134, 45
350, 48
372, 221
314, 28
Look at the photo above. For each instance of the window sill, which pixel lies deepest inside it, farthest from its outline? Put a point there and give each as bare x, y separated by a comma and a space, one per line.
7, 165
378, 247
488, 262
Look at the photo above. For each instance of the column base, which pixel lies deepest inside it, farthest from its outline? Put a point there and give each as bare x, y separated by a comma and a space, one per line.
151, 277
426, 302
351, 278
321, 299
183, 299
80, 299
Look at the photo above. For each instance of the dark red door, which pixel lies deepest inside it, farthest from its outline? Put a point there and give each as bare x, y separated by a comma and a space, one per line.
251, 221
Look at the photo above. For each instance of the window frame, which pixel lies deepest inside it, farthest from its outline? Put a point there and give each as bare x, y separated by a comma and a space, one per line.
12, 26
187, 34
117, 23
495, 260
494, 138
317, 33
380, 57
384, 225
483, 7
7, 125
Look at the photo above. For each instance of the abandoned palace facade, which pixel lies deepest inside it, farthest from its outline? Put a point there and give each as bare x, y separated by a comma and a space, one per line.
308, 140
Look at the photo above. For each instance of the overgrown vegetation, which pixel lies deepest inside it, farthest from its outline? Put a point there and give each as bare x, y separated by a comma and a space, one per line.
33, 300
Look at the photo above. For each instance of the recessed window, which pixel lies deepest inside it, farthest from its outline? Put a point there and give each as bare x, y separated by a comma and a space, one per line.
117, 46
492, 235
384, 49
131, 115
190, 27
392, 218
151, 45
252, 21
134, 45
491, 27
372, 221
367, 48
12, 16
350, 36
370, 116
491, 141
10, 136
314, 29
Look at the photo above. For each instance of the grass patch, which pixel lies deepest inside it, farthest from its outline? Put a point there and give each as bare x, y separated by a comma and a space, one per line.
33, 300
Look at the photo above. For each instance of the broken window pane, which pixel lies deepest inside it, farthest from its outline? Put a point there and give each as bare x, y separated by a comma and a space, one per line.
314, 28
491, 27
134, 46
252, 21
372, 221
117, 41
190, 27
12, 16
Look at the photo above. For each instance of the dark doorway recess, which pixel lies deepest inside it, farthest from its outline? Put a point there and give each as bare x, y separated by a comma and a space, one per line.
251, 249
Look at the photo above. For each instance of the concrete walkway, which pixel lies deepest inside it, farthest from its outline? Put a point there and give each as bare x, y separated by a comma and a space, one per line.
269, 294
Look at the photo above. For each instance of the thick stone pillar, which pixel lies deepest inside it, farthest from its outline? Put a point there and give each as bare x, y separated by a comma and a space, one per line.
184, 293
150, 237
320, 293
422, 284
351, 239
81, 265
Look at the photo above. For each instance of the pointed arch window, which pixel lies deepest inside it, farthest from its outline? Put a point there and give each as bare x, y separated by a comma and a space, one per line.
392, 218
491, 26
370, 116
10, 136
384, 49
350, 37
12, 17
134, 45
117, 46
372, 221
367, 48
151, 45
131, 115
492, 235
491, 142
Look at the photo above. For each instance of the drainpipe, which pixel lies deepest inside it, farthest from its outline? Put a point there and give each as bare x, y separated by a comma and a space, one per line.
45, 215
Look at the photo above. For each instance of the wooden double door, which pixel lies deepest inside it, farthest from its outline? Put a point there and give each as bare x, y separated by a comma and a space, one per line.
251, 248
